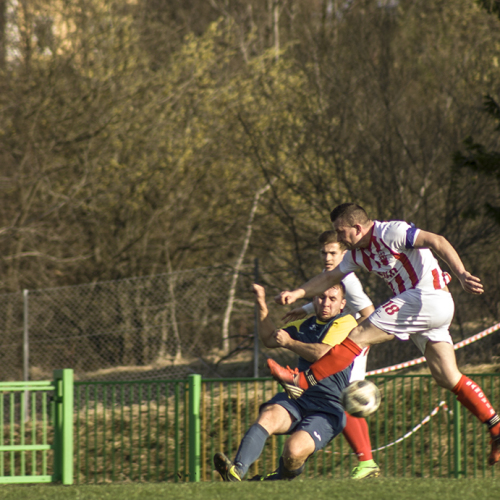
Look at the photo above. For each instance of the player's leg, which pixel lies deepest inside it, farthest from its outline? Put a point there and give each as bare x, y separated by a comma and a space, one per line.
443, 365
273, 419
356, 434
312, 433
335, 360
297, 449
356, 429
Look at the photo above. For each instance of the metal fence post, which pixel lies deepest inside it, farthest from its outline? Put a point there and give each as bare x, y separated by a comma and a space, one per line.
26, 367
194, 427
457, 451
256, 327
63, 426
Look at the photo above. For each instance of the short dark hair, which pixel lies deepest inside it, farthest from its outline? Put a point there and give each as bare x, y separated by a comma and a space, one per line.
331, 236
350, 213
338, 285
342, 287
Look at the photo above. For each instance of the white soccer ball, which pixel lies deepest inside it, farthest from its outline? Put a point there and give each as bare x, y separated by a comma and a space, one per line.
361, 398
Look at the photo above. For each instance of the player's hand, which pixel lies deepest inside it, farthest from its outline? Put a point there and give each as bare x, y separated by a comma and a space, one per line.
288, 297
471, 284
259, 291
294, 315
282, 338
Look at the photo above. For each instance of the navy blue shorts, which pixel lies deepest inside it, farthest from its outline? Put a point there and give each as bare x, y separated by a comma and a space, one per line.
322, 427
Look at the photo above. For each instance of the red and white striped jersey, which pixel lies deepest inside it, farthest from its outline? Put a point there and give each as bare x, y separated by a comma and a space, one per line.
391, 255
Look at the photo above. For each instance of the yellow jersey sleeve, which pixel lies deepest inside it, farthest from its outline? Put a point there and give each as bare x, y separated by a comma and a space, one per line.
339, 330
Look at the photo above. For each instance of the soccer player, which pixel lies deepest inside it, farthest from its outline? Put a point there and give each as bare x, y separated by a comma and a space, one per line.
359, 305
422, 307
317, 416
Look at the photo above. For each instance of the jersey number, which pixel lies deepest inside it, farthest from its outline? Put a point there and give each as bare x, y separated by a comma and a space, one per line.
391, 308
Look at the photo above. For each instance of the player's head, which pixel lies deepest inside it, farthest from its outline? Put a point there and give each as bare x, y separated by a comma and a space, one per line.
330, 303
351, 222
331, 249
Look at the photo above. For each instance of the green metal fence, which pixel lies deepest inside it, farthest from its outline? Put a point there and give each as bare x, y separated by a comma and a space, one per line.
169, 430
131, 431
36, 430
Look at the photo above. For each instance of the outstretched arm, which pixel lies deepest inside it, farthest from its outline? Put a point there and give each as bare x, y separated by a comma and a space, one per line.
315, 286
445, 251
266, 326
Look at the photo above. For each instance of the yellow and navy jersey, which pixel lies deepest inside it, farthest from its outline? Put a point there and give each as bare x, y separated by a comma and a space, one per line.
313, 331
325, 395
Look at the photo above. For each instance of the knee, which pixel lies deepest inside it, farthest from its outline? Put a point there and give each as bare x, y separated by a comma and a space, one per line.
293, 459
268, 418
295, 454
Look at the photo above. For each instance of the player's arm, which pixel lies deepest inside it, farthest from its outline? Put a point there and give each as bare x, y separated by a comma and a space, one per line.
310, 352
315, 286
266, 325
298, 313
337, 332
364, 313
445, 251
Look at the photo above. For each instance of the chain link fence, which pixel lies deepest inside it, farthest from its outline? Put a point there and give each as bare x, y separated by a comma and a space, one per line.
161, 326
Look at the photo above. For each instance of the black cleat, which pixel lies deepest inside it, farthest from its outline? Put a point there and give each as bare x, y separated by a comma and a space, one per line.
226, 468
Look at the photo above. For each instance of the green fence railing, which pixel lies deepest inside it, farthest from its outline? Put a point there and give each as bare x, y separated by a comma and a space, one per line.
170, 430
36, 430
131, 431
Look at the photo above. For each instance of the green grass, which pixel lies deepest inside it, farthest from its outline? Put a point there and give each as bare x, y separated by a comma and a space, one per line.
314, 489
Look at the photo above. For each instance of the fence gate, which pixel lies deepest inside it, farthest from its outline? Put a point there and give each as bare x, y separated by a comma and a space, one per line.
36, 430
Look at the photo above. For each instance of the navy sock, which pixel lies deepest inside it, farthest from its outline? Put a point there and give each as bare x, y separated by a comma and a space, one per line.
251, 447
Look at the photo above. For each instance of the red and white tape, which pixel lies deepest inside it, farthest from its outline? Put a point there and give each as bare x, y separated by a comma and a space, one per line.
417, 361
417, 427
433, 413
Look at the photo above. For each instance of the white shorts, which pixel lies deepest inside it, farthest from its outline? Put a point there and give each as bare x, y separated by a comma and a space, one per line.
358, 371
417, 314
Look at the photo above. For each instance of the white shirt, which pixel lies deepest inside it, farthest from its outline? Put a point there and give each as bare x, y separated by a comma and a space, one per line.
391, 255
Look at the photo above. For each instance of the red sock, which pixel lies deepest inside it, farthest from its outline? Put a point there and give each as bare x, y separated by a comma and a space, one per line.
474, 399
356, 433
338, 358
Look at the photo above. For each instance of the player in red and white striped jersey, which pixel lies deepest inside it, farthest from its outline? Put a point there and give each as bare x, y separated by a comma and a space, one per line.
422, 307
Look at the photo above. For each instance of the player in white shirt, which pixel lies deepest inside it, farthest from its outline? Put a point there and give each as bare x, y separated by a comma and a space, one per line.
422, 307
359, 305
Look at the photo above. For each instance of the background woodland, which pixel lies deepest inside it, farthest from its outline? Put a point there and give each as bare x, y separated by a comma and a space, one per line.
148, 136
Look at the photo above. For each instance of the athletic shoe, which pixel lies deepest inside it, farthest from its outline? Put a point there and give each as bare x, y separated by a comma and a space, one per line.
366, 471
286, 377
494, 456
273, 476
258, 477
225, 468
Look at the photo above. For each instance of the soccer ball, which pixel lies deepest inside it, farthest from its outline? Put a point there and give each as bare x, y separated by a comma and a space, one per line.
361, 398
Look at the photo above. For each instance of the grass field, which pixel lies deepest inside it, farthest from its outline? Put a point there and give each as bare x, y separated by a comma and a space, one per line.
314, 489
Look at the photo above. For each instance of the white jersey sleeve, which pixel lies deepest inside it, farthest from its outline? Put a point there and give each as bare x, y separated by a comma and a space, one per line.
355, 296
347, 264
309, 308
399, 235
